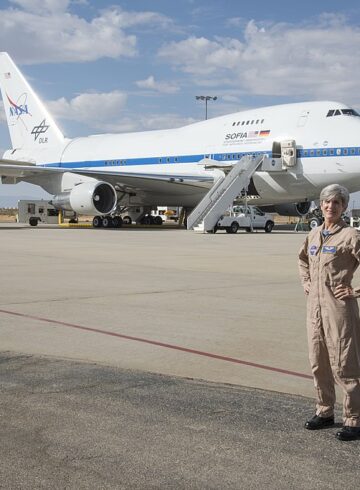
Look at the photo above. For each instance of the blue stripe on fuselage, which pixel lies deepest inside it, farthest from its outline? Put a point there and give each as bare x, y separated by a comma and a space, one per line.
301, 153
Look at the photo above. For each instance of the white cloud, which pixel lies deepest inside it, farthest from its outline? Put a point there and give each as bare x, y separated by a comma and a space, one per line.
163, 87
314, 60
37, 32
107, 112
42, 5
148, 122
94, 109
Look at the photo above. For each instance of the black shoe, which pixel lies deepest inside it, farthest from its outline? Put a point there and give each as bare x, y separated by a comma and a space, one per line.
348, 433
318, 422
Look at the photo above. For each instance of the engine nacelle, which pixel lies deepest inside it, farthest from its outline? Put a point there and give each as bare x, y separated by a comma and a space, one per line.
91, 198
291, 209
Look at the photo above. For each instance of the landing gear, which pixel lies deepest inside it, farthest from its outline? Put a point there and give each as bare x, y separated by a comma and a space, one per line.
127, 220
158, 220
117, 221
107, 222
97, 222
314, 222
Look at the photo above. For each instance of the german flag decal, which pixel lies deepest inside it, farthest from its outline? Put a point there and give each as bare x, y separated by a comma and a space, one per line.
265, 132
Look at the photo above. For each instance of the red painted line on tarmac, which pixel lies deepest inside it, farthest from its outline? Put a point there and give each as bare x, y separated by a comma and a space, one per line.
159, 344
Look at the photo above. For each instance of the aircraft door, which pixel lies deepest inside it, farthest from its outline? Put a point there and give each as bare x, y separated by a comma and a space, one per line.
288, 153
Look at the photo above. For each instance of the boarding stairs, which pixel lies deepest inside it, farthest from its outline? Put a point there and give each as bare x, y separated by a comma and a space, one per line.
223, 193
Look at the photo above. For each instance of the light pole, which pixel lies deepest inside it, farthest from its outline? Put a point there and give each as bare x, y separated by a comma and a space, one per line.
206, 98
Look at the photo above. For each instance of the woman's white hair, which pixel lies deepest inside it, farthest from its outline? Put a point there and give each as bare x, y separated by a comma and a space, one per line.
335, 190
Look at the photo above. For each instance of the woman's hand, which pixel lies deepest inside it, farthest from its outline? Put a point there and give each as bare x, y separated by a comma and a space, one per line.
343, 292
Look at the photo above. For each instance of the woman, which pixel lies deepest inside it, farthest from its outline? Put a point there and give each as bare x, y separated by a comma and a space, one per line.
327, 262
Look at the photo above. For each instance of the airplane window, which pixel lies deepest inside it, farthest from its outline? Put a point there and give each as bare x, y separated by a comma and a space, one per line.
338, 151
257, 121
234, 123
262, 120
330, 113
352, 151
168, 160
337, 113
247, 122
312, 153
349, 112
305, 153
242, 124
325, 152
252, 122
318, 152
332, 152
237, 124
346, 151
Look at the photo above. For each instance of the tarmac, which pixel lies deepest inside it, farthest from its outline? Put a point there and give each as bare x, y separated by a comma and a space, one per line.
148, 358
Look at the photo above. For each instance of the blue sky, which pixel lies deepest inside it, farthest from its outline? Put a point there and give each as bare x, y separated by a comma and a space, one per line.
137, 65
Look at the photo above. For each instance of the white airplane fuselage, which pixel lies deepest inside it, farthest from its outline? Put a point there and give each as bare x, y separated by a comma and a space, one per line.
327, 152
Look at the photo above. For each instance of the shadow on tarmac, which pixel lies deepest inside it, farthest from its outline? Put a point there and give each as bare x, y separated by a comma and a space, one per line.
66, 424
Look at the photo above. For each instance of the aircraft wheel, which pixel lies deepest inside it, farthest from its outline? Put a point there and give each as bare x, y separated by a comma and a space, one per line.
314, 222
158, 220
107, 222
117, 222
97, 222
127, 220
147, 220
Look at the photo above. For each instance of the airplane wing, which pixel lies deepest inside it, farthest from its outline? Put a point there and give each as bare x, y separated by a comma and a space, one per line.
125, 181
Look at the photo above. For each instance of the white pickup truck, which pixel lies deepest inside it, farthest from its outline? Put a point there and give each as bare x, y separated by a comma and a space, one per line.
245, 217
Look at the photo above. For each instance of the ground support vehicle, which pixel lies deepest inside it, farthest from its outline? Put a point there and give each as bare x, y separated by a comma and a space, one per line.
248, 218
37, 211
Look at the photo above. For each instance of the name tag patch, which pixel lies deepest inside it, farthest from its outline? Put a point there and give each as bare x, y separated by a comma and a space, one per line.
328, 250
313, 250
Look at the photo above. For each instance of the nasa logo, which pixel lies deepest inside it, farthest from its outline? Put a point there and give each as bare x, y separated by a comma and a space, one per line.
20, 108
235, 136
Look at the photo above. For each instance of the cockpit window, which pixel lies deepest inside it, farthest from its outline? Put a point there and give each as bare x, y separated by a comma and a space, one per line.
339, 112
349, 112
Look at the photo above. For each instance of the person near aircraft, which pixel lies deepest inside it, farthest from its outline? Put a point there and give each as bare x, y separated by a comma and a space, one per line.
327, 261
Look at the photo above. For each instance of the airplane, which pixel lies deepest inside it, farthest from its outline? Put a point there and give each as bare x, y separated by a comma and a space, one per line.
102, 175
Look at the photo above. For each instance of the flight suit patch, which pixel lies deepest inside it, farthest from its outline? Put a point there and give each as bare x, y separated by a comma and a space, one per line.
328, 250
313, 250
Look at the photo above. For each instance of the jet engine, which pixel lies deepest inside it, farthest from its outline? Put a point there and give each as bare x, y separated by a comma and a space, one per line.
291, 209
93, 198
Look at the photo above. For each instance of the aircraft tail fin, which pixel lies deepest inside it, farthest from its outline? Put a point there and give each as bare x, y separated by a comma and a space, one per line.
30, 124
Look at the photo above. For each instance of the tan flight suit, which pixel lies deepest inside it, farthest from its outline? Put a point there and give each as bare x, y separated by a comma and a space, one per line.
333, 325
